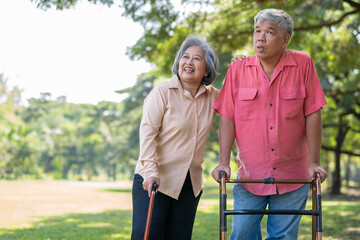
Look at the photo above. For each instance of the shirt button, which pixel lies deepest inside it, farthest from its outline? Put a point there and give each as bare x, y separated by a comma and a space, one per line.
270, 104
272, 149
274, 168
271, 127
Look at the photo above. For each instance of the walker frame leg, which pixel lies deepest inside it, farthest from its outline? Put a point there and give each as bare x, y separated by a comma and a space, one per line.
223, 198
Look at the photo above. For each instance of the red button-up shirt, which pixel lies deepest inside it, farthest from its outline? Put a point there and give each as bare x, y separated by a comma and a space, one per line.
269, 117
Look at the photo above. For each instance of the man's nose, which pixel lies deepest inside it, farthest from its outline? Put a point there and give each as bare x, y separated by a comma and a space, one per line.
261, 37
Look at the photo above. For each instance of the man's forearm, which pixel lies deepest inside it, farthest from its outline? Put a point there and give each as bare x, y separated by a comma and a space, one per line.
226, 139
313, 134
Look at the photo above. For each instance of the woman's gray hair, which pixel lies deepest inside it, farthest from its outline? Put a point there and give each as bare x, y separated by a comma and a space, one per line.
280, 17
211, 58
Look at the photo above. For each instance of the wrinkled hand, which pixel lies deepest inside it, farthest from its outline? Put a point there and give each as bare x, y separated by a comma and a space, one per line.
216, 171
315, 168
237, 58
148, 183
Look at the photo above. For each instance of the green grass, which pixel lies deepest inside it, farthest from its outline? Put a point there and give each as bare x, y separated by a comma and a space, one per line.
341, 221
106, 225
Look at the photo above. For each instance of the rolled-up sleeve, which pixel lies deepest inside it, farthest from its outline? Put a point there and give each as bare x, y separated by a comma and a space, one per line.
315, 98
224, 103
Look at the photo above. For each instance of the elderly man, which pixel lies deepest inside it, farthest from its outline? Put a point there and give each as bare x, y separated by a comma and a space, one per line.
271, 104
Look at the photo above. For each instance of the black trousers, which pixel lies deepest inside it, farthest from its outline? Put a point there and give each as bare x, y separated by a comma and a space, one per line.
171, 219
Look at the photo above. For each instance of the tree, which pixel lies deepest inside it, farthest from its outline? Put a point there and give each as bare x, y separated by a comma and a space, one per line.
107, 116
14, 144
72, 143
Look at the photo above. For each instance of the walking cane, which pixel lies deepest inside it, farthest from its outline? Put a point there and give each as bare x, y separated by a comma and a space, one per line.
150, 210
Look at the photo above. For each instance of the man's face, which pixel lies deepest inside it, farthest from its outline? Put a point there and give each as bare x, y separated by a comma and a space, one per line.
269, 41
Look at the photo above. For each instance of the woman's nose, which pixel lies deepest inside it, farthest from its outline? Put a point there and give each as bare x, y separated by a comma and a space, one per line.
189, 60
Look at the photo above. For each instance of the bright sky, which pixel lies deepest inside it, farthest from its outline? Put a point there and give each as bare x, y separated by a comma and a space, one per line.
77, 53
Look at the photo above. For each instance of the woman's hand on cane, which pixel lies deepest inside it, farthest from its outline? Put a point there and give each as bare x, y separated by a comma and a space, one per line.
149, 182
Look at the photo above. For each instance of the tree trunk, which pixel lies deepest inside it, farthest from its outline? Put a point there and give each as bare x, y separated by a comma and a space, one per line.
357, 174
342, 130
348, 172
114, 171
336, 175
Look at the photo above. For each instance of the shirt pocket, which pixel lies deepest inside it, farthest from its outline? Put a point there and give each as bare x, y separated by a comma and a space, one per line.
292, 102
245, 103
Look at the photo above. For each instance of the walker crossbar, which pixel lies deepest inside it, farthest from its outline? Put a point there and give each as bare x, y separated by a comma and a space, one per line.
315, 212
275, 211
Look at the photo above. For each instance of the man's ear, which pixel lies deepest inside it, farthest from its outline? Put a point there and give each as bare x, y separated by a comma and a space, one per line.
286, 38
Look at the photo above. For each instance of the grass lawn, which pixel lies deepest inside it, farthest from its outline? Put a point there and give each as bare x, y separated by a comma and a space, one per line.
52, 210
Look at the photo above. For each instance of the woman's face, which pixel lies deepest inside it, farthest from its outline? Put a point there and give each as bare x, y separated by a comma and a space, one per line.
192, 65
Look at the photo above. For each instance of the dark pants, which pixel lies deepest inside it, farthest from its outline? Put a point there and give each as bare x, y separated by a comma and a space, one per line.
171, 219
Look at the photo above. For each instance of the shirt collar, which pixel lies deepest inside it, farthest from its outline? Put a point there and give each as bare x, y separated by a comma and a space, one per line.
175, 83
285, 60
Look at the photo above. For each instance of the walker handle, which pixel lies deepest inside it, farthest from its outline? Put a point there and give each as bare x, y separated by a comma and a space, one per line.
222, 173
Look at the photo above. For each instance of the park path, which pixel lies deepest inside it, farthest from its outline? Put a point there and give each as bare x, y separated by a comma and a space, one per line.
22, 202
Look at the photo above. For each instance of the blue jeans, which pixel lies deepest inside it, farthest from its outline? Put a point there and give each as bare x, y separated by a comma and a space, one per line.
284, 227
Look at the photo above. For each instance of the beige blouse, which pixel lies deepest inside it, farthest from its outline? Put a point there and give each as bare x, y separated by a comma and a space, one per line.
173, 133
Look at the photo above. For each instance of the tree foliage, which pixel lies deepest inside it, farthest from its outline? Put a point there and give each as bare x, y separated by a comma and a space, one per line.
66, 4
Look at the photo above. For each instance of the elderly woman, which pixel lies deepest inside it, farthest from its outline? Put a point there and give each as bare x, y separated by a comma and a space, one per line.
177, 117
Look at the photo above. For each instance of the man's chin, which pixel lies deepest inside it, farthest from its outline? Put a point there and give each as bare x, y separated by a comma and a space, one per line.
260, 55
